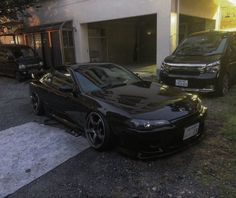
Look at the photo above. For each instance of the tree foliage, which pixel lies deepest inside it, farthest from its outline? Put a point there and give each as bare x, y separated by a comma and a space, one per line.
13, 9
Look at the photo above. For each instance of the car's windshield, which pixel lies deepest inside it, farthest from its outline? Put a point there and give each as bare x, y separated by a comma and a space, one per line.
209, 44
22, 52
96, 77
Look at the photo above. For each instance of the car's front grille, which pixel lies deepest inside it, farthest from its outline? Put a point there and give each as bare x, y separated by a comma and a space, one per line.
32, 65
186, 69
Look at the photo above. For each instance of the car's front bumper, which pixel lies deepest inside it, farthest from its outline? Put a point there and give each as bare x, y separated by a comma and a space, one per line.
203, 83
157, 143
30, 70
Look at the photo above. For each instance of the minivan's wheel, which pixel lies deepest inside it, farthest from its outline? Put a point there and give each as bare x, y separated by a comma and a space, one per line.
97, 132
37, 104
224, 85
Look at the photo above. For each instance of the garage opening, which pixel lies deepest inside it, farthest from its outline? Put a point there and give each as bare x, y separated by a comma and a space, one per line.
130, 41
190, 24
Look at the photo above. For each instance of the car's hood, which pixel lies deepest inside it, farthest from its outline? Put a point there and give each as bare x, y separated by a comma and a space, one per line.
28, 60
192, 59
148, 100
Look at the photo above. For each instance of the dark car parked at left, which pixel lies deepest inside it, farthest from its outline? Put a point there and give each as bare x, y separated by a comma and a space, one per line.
113, 106
18, 61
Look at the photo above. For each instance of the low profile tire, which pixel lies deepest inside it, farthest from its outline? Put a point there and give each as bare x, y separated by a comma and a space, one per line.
98, 132
223, 85
37, 104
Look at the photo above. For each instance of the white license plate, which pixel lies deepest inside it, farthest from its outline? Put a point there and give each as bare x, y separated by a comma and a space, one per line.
191, 131
181, 83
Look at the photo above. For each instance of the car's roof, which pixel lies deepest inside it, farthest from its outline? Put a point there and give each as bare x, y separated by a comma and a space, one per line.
14, 46
214, 32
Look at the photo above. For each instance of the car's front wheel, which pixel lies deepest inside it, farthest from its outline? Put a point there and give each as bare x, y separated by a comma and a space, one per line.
97, 132
223, 85
37, 104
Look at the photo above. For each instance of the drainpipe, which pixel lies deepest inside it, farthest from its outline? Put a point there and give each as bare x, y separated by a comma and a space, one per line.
218, 17
61, 42
178, 13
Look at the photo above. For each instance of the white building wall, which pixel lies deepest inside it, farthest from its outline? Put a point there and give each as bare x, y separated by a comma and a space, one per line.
199, 8
87, 11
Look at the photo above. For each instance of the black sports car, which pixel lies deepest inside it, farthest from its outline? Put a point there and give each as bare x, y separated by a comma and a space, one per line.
114, 106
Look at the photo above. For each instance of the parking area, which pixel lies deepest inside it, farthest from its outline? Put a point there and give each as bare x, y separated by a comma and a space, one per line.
38, 160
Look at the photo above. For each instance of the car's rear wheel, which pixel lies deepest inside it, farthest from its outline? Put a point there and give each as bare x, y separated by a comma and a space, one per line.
37, 104
98, 132
223, 85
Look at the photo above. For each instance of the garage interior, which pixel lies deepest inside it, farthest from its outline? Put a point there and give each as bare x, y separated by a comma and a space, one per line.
129, 41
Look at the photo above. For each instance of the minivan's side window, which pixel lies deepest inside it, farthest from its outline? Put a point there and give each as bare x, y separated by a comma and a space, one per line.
232, 49
233, 44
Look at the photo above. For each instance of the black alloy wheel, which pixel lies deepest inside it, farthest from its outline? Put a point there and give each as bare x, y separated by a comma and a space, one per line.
37, 104
224, 85
97, 132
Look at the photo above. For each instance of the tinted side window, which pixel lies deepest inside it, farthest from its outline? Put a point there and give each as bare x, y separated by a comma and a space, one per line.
62, 80
231, 51
3, 55
233, 44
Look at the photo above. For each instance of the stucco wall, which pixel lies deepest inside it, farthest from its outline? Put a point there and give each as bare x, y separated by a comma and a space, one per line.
199, 8
87, 11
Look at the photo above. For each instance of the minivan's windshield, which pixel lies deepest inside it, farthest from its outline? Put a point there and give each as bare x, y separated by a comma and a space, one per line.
208, 44
22, 52
96, 77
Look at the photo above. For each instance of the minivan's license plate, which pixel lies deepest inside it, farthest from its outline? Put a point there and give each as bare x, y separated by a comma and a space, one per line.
191, 131
181, 83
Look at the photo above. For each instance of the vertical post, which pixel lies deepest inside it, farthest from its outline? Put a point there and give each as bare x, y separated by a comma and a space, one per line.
174, 24
81, 42
62, 43
218, 17
177, 27
163, 31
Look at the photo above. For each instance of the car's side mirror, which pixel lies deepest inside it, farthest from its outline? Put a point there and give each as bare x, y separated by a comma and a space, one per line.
66, 89
137, 74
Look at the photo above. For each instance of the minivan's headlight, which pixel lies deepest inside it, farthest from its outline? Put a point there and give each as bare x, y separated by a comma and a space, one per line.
22, 66
164, 67
147, 124
213, 67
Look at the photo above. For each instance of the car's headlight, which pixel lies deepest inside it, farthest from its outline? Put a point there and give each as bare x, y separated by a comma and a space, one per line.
213, 67
22, 66
164, 67
147, 124
197, 102
41, 63
195, 98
